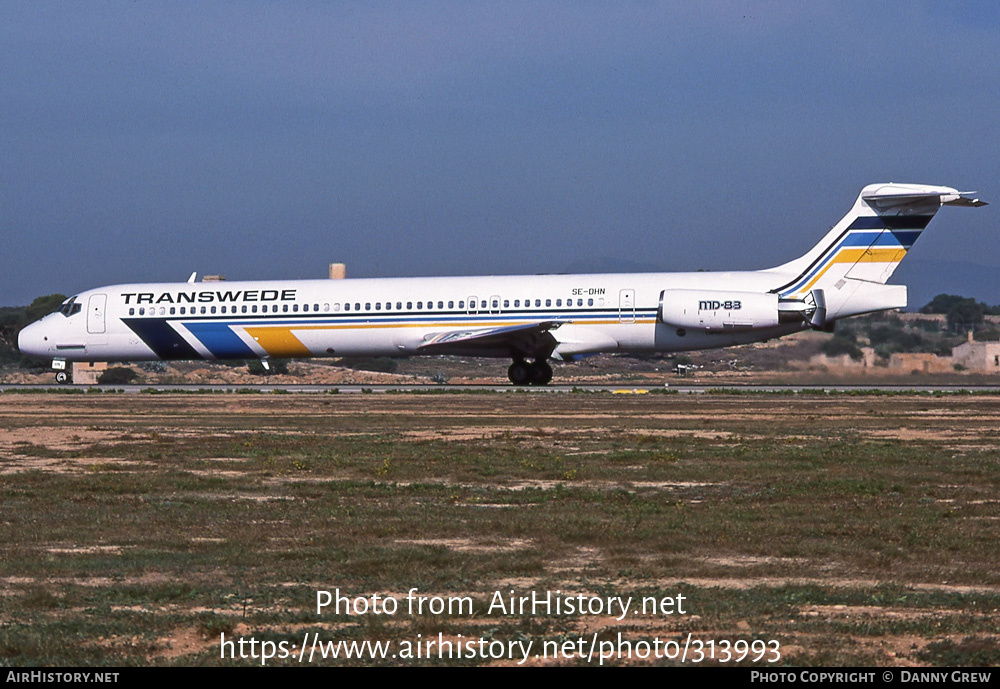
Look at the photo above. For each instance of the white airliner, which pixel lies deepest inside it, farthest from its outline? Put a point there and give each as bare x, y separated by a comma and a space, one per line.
529, 319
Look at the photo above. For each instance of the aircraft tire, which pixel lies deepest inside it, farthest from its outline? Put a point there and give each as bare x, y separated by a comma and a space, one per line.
519, 373
541, 373
62, 377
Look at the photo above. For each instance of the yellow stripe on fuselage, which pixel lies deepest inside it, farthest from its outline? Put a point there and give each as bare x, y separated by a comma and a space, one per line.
278, 342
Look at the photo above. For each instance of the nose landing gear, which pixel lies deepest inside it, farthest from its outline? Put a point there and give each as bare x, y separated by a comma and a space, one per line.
62, 375
537, 372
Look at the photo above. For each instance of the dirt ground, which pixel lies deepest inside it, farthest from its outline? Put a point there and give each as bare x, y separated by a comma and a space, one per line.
850, 529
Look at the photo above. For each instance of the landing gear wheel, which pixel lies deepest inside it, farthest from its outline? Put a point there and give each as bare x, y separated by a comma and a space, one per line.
541, 373
519, 373
62, 377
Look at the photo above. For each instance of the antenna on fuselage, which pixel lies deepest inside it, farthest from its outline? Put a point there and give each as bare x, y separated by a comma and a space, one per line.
193, 277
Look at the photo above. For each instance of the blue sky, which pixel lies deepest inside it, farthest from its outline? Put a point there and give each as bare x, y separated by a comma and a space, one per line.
143, 141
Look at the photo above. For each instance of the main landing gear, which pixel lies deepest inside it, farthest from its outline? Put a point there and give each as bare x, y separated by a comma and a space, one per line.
536, 373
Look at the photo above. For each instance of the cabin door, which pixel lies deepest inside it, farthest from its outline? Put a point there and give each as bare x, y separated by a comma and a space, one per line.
95, 313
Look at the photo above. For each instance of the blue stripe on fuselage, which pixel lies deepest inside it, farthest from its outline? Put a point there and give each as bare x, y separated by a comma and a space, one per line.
220, 340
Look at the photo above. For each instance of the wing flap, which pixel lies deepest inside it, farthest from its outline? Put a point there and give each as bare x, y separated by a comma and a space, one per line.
530, 339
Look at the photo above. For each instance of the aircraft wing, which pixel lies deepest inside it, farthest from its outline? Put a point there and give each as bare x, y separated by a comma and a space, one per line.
530, 339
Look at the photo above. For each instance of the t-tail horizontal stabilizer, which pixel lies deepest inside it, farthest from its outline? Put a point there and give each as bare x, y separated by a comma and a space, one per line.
894, 198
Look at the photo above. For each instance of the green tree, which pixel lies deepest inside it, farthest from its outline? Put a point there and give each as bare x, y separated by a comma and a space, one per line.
843, 342
13, 318
118, 375
942, 303
965, 315
893, 337
42, 306
962, 313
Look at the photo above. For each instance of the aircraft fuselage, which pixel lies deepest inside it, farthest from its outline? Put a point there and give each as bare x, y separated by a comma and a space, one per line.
377, 317
529, 319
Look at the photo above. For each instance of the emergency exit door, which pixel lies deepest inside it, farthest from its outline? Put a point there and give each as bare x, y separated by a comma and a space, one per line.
626, 306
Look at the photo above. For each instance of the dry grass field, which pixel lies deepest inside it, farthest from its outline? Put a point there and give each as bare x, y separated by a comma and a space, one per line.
843, 529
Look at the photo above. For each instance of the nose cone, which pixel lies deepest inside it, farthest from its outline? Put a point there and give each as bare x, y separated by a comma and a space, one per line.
32, 340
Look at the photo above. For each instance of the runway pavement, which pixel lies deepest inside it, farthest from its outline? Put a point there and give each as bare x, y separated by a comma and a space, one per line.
684, 389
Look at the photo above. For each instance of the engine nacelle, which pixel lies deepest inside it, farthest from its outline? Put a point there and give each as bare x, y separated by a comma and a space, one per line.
717, 310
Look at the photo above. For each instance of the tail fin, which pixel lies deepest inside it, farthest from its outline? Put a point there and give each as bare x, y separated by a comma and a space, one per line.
861, 252
871, 240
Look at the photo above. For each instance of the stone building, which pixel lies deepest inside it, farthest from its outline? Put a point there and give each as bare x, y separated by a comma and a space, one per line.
920, 362
978, 357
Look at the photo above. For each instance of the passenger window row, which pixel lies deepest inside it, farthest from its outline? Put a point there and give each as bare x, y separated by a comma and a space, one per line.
440, 305
194, 310
356, 306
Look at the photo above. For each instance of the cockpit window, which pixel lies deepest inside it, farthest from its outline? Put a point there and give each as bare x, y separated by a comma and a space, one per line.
69, 307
